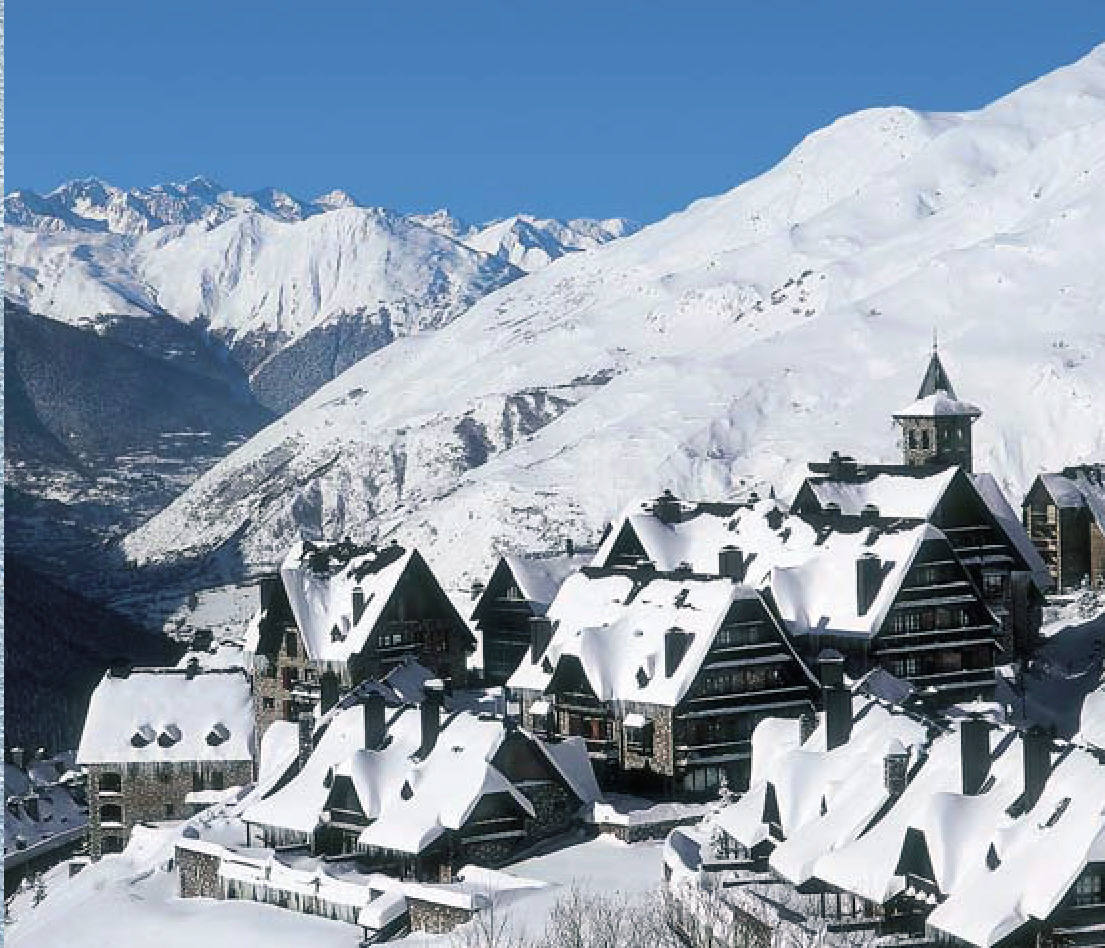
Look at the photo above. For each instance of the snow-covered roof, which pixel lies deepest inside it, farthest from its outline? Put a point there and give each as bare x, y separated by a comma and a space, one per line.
1067, 824
841, 826
1079, 487
761, 527
616, 627
410, 801
893, 495
938, 405
540, 578
320, 582
816, 591
994, 497
169, 714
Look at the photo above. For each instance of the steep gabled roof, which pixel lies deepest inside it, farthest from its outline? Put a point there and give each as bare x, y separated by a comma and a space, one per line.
320, 582
538, 579
615, 629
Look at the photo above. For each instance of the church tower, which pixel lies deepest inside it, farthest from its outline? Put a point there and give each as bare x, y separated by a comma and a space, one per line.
936, 428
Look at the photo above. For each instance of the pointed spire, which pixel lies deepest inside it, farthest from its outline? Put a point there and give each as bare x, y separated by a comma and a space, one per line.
936, 378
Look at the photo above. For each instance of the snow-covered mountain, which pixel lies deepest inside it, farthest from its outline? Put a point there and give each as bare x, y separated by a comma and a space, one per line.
296, 290
530, 243
720, 347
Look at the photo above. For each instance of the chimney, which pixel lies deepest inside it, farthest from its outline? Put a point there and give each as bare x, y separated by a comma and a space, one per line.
192, 668
974, 754
358, 604
676, 642
433, 693
306, 725
328, 691
540, 635
373, 710
869, 514
836, 698
835, 464
666, 508
569, 547
477, 589
868, 581
807, 724
1037, 763
17, 757
895, 767
731, 563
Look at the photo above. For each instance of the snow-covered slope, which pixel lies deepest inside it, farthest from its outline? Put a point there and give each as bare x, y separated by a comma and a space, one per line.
728, 343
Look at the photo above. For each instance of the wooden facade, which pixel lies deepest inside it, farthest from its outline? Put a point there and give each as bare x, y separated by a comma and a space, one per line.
1064, 514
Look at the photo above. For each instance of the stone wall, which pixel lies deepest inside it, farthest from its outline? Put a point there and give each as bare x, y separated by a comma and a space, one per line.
199, 873
635, 833
151, 792
435, 918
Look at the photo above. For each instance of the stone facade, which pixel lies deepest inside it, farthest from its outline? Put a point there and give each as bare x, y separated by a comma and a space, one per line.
121, 795
198, 868
435, 918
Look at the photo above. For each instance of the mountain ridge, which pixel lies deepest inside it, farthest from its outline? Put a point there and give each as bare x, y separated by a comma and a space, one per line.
720, 348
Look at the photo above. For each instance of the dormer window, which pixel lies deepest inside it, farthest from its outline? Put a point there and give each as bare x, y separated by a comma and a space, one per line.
169, 736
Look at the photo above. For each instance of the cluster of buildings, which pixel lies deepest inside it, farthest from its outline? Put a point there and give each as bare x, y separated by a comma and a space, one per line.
891, 821
694, 649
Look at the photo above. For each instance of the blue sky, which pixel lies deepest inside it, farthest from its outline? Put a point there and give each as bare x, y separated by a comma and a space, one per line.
599, 108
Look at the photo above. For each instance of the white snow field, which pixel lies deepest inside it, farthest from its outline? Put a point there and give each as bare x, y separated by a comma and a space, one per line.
134, 897
720, 348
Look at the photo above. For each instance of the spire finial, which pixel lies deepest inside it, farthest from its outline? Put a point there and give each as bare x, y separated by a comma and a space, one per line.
934, 341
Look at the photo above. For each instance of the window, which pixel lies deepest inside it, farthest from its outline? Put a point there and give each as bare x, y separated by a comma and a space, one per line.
913, 437
111, 813
1090, 888
289, 678
168, 811
268, 703
1052, 514
905, 622
110, 782
924, 439
111, 844
291, 646
197, 779
993, 584
218, 780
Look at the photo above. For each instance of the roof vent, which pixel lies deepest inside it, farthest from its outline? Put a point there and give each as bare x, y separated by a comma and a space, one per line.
169, 736
869, 513
143, 736
407, 791
219, 734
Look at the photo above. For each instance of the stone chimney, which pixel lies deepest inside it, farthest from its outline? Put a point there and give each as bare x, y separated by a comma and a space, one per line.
974, 754
306, 725
895, 769
676, 642
1037, 763
868, 581
869, 514
358, 604
836, 697
432, 700
569, 547
477, 589
730, 563
328, 691
373, 710
666, 508
540, 635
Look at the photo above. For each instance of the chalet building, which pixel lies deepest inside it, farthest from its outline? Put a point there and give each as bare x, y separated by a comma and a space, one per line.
969, 509
936, 426
155, 736
896, 825
341, 614
1064, 514
519, 589
418, 793
664, 675
890, 593
936, 484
